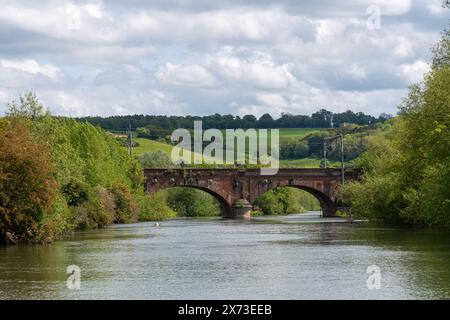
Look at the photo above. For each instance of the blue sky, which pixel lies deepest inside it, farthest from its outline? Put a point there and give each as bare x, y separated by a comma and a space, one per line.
227, 56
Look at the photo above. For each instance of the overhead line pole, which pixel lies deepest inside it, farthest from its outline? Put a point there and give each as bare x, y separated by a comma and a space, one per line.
341, 133
129, 139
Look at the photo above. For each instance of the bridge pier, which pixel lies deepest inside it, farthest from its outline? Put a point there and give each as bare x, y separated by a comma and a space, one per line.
329, 209
240, 209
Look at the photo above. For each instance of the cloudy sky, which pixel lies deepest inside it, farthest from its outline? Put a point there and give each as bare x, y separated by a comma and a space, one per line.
226, 56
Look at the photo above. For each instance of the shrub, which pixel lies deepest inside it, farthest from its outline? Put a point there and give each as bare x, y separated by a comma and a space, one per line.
154, 207
155, 159
191, 202
27, 185
57, 222
126, 208
286, 200
75, 192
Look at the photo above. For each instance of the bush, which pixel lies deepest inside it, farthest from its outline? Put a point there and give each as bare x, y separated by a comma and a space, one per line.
190, 202
155, 159
126, 209
270, 204
27, 185
57, 222
75, 192
54, 173
286, 200
154, 207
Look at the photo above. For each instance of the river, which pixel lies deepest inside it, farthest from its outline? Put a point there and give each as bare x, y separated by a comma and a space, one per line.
286, 257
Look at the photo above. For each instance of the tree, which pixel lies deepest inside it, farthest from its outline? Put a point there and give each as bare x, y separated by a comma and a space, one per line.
27, 107
266, 121
190, 202
27, 185
155, 159
407, 166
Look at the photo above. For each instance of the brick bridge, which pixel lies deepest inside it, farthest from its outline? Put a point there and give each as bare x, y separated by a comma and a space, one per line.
237, 189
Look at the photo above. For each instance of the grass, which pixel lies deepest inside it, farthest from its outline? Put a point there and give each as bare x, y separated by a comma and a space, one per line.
298, 132
147, 145
306, 163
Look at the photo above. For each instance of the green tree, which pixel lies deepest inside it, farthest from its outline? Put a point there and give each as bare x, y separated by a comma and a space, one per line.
190, 202
407, 165
155, 159
27, 185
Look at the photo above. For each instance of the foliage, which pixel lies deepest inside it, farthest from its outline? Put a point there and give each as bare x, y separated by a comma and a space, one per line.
154, 127
75, 192
154, 207
155, 159
58, 174
407, 177
286, 200
191, 202
125, 205
291, 148
27, 186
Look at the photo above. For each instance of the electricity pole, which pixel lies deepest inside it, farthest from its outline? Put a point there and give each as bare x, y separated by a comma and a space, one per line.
129, 139
341, 133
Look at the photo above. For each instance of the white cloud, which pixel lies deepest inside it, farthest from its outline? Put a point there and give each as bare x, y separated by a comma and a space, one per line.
356, 71
238, 24
181, 57
272, 100
253, 69
414, 72
435, 7
189, 75
389, 7
31, 66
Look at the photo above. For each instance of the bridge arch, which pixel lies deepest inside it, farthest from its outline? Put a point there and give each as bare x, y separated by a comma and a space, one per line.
224, 205
327, 204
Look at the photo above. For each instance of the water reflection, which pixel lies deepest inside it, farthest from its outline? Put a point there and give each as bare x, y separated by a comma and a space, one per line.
293, 257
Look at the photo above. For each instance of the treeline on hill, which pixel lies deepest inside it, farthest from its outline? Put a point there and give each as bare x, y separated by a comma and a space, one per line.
407, 165
59, 175
164, 125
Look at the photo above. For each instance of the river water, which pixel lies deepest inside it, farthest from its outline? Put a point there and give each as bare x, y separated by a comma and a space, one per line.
286, 257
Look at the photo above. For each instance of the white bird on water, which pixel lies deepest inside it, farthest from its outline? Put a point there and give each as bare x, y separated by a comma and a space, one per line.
157, 224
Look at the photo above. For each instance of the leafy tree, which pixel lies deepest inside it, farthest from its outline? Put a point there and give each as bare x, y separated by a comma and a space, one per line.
190, 202
58, 174
407, 166
125, 205
27, 185
286, 200
265, 121
155, 159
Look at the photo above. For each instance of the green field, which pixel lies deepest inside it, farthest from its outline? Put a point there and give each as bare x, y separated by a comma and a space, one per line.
307, 163
298, 132
147, 145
